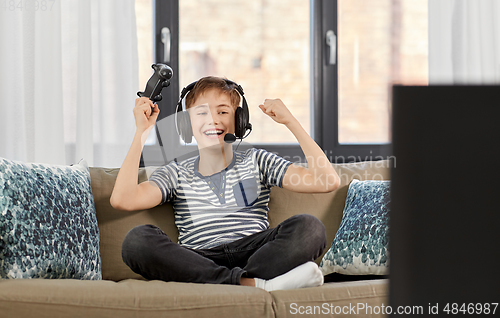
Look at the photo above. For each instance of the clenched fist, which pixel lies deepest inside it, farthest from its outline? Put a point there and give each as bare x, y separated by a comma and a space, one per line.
277, 110
144, 117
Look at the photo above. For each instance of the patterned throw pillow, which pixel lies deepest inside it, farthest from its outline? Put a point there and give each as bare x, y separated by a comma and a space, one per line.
48, 225
361, 244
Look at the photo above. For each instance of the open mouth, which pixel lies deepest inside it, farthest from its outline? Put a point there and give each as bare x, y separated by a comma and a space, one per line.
213, 133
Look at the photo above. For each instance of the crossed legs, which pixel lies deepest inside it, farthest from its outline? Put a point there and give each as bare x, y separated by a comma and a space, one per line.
295, 242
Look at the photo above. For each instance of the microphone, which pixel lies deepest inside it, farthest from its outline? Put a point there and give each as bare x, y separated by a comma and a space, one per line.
229, 138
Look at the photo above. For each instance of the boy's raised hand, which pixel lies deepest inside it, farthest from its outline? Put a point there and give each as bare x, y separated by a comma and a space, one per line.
277, 110
317, 176
144, 118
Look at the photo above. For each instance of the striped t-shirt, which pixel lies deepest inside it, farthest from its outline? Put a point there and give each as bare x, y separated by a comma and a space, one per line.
208, 214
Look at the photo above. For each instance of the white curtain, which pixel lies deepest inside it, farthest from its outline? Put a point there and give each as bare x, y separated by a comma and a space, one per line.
68, 80
464, 41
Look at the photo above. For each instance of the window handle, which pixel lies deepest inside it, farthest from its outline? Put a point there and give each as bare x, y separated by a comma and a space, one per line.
331, 41
165, 39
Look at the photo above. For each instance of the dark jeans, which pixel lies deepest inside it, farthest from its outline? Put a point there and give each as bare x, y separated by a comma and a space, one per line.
267, 254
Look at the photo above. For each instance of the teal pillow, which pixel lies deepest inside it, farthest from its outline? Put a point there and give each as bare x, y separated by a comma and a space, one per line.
360, 246
48, 225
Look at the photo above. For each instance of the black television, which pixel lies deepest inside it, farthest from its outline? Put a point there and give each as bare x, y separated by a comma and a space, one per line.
445, 200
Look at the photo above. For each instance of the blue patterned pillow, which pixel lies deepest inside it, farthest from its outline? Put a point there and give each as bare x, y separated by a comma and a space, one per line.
48, 225
361, 244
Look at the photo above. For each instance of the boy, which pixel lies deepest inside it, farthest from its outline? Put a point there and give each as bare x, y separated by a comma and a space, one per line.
220, 200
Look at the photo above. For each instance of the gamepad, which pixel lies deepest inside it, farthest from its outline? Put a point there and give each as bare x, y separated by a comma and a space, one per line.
160, 79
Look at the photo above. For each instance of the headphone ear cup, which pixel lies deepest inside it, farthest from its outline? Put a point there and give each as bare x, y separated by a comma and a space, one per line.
239, 123
184, 124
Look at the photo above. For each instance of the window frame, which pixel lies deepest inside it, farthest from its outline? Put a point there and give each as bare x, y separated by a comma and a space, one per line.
324, 101
326, 125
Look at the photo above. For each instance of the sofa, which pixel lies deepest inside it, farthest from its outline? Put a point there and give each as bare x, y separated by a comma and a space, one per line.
122, 293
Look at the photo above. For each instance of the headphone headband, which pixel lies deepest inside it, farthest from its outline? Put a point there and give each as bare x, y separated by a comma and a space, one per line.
190, 87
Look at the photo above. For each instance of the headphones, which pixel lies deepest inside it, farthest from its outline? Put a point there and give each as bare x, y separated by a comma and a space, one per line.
241, 120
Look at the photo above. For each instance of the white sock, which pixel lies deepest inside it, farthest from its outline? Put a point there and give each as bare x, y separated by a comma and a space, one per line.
305, 275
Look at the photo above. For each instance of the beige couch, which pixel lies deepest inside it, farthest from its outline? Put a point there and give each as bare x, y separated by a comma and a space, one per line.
123, 293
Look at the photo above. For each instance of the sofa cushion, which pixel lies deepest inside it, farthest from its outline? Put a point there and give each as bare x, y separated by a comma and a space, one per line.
115, 224
48, 226
130, 298
328, 207
361, 242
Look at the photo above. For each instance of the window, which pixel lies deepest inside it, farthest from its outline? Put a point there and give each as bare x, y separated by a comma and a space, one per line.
380, 43
279, 49
262, 45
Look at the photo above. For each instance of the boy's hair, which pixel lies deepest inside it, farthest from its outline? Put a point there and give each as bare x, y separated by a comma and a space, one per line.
213, 82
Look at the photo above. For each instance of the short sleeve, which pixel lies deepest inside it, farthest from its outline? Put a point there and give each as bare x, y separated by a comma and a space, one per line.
272, 167
166, 179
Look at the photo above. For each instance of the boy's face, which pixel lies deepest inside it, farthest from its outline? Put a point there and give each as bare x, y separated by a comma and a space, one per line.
212, 117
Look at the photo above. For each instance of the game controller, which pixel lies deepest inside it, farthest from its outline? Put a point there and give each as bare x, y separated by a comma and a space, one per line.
160, 79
